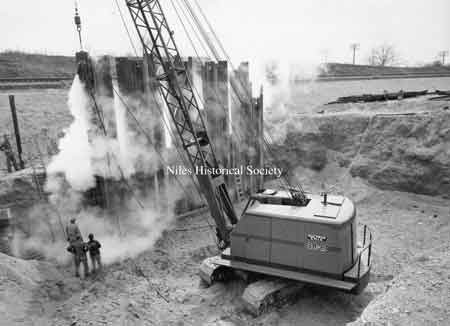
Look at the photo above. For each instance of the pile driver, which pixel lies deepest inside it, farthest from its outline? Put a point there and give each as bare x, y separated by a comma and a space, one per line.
286, 234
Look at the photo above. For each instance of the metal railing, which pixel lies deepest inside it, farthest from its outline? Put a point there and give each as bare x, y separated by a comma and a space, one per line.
366, 246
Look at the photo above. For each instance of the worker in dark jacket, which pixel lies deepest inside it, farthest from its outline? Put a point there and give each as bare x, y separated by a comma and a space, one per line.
78, 249
10, 158
94, 252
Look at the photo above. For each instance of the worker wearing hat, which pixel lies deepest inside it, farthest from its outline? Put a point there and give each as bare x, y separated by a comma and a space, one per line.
78, 249
73, 231
10, 158
94, 252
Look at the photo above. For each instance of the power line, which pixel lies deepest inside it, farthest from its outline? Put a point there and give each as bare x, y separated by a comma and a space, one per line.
125, 26
199, 39
236, 133
155, 101
231, 63
242, 84
222, 105
217, 96
168, 129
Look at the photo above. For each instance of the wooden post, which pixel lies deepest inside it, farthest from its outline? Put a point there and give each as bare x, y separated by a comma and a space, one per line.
215, 92
161, 178
260, 136
12, 104
244, 114
104, 92
136, 78
224, 122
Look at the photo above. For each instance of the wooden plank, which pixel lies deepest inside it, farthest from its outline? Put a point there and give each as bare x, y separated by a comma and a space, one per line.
12, 104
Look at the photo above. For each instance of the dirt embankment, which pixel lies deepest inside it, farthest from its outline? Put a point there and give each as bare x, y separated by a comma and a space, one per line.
27, 289
15, 64
418, 296
406, 152
348, 70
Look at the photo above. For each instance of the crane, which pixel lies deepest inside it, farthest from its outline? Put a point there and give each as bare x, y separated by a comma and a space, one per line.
179, 96
286, 234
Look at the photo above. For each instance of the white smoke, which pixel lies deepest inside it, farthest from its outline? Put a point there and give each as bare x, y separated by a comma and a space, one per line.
134, 153
133, 225
284, 83
75, 150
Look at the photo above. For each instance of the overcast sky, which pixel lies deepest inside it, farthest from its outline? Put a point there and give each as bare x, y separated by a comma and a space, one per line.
292, 30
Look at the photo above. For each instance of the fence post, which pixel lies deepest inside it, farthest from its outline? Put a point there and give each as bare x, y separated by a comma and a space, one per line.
12, 104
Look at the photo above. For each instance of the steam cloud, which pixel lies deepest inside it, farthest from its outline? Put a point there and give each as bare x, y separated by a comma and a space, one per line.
284, 83
124, 231
84, 153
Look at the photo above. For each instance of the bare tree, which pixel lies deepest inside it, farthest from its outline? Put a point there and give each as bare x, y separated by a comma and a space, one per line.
383, 55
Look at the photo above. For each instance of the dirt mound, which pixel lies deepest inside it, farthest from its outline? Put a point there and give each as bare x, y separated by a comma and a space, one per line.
406, 152
20, 64
25, 287
410, 153
418, 296
347, 70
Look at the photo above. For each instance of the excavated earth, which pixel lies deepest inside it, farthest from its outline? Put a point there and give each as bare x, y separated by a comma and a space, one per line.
405, 149
393, 162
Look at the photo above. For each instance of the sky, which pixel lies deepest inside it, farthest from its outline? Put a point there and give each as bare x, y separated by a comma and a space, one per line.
300, 31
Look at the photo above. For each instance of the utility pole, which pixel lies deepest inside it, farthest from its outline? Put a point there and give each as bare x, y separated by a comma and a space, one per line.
354, 47
443, 55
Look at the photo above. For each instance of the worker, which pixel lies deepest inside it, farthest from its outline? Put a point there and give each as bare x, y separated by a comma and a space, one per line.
10, 159
50, 144
94, 252
73, 231
78, 249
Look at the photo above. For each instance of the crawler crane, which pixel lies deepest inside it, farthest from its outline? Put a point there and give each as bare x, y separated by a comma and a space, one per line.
287, 237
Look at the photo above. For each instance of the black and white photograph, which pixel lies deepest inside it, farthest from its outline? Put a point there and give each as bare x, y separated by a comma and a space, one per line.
225, 163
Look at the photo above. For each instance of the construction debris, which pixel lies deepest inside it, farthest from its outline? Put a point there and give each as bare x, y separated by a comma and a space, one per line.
443, 96
365, 98
400, 95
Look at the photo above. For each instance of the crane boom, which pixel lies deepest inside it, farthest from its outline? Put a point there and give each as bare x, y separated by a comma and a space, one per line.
178, 94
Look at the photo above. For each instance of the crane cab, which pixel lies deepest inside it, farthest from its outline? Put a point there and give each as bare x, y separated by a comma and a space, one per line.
314, 243
317, 237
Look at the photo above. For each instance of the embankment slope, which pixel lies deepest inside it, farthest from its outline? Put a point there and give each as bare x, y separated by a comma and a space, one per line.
406, 152
15, 64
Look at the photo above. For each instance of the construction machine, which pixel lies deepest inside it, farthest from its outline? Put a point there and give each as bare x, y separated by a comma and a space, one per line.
286, 237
